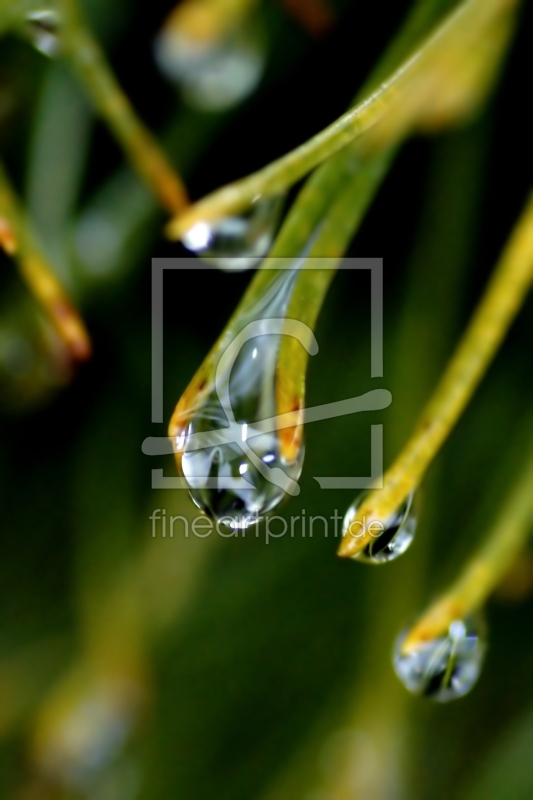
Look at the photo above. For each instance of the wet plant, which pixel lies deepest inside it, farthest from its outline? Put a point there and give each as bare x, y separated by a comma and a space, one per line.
80, 701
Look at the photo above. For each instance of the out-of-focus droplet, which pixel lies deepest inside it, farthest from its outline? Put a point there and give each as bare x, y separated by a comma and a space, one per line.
42, 28
117, 221
240, 472
445, 668
389, 540
237, 243
213, 74
78, 742
34, 361
97, 244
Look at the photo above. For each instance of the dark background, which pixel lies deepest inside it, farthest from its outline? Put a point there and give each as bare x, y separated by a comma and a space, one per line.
241, 662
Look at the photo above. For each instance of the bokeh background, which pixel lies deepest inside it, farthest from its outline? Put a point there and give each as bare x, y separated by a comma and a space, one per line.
136, 667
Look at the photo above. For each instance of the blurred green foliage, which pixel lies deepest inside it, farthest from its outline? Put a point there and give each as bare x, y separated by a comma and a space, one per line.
141, 667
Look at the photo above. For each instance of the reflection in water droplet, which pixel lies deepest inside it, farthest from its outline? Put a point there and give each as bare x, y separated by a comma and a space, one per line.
237, 243
212, 75
390, 540
445, 668
246, 477
43, 30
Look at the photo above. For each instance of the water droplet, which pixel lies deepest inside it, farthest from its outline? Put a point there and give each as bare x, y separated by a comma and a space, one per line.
88, 731
34, 361
237, 243
228, 451
42, 28
445, 668
389, 540
97, 243
213, 75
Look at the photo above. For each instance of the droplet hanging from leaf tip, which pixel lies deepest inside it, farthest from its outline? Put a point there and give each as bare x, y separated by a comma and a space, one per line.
444, 668
238, 242
213, 73
389, 539
42, 28
231, 459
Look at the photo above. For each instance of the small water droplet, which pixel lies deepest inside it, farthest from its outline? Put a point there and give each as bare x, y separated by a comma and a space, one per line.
213, 75
237, 243
238, 470
42, 28
391, 539
445, 668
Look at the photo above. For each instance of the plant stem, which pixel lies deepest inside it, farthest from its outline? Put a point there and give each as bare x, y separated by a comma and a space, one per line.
485, 570
310, 289
12, 12
91, 66
439, 82
503, 297
38, 274
312, 286
350, 181
326, 184
329, 207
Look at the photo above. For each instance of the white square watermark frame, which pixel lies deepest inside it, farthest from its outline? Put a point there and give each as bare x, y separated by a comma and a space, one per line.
161, 445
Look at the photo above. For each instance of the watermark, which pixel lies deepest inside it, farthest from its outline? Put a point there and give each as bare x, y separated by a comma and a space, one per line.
170, 526
239, 434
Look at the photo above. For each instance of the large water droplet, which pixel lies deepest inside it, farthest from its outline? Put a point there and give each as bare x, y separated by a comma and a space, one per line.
234, 462
42, 28
233, 485
445, 668
212, 75
391, 539
237, 243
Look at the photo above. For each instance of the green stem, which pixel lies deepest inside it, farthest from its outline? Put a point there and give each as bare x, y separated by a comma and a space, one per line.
334, 235
89, 63
438, 82
331, 204
485, 570
504, 296
37, 273
13, 12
